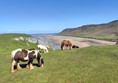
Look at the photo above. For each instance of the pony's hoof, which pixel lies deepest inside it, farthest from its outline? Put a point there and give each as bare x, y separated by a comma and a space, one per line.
42, 65
12, 71
19, 68
31, 67
27, 66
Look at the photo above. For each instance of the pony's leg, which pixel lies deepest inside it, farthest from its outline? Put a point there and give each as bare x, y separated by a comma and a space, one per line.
46, 50
18, 66
62, 46
42, 62
31, 66
70, 47
66, 47
12, 66
27, 66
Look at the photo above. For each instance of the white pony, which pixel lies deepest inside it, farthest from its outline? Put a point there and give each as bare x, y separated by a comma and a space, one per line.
43, 47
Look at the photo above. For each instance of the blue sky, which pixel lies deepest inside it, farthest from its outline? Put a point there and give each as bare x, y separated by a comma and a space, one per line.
52, 16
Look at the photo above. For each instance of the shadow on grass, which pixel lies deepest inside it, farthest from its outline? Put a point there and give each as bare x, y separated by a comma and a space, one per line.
24, 65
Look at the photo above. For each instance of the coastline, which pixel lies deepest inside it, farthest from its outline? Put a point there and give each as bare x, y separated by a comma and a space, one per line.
81, 42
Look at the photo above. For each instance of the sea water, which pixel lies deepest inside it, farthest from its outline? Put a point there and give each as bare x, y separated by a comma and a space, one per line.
42, 38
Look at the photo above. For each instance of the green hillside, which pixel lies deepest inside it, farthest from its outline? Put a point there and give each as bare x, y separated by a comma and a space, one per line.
95, 64
108, 31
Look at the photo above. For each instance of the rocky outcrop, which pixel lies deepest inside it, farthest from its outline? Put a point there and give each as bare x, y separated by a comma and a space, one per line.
34, 40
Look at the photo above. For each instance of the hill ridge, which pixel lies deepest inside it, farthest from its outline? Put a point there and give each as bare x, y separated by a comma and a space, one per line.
113, 26
110, 28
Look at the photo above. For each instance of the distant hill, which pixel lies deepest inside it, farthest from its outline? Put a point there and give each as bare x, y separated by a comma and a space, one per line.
101, 31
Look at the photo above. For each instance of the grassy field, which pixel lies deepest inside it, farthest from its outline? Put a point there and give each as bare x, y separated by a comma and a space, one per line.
95, 64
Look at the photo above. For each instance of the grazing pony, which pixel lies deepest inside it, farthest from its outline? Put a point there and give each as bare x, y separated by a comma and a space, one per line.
25, 55
74, 46
66, 43
42, 47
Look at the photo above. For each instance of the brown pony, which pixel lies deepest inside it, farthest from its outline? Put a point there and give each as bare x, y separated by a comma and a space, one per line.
66, 43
